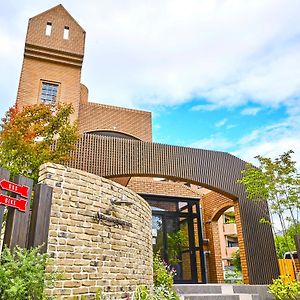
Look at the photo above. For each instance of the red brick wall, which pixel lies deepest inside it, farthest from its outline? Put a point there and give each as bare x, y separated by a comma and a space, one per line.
52, 58
34, 71
59, 18
84, 93
93, 116
165, 188
213, 206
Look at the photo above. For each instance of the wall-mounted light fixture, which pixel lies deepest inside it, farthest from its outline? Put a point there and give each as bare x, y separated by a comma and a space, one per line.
123, 200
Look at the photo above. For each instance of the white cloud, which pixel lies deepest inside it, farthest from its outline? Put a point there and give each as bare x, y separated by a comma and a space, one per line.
268, 140
272, 140
251, 111
270, 148
230, 126
215, 142
205, 107
169, 51
139, 53
221, 123
250, 137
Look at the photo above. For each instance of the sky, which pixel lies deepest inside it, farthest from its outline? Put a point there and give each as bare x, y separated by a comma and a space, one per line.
217, 74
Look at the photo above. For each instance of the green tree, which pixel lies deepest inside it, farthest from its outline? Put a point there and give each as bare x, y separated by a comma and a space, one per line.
284, 243
278, 183
177, 241
236, 261
27, 138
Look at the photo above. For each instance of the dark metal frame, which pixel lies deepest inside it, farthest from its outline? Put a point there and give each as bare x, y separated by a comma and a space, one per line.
190, 216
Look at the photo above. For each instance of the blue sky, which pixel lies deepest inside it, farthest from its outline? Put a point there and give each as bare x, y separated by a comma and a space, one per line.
217, 74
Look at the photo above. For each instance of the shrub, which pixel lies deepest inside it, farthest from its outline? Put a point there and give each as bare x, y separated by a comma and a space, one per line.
284, 288
163, 282
162, 273
163, 293
156, 293
233, 276
22, 274
236, 261
142, 293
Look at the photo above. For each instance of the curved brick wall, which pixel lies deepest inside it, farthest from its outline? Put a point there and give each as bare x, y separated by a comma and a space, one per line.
92, 254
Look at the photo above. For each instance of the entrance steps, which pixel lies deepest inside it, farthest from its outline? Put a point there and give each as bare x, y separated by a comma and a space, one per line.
222, 292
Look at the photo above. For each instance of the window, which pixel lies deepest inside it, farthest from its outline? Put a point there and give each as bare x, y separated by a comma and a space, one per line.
231, 244
48, 28
66, 32
49, 92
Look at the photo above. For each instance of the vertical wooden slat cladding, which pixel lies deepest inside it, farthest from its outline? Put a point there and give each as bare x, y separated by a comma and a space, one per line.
218, 171
40, 217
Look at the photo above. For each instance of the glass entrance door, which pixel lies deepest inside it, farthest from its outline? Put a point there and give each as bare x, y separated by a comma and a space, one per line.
177, 237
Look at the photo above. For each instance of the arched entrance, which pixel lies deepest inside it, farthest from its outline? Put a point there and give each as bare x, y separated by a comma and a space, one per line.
214, 206
218, 171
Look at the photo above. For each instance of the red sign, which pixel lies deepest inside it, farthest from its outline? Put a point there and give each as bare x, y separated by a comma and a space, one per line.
15, 188
20, 204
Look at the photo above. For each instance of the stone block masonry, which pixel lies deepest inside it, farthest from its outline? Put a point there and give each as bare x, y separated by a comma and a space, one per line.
93, 254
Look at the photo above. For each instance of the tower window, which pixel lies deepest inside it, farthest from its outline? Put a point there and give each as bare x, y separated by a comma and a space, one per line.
66, 32
48, 28
49, 93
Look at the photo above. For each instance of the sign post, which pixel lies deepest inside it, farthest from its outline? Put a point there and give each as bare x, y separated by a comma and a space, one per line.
15, 188
19, 204
9, 186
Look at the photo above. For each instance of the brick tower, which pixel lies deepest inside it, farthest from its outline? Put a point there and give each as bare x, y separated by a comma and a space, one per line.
53, 56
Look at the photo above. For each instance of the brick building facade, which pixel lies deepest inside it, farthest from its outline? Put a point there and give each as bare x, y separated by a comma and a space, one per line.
51, 73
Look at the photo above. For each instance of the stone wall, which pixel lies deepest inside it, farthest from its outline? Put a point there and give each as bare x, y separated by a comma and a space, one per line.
115, 254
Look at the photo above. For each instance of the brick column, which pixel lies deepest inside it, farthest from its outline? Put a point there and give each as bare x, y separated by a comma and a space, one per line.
241, 242
214, 205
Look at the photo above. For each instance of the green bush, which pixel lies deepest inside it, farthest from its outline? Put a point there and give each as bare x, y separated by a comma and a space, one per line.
284, 288
236, 261
142, 293
23, 276
163, 293
163, 282
233, 276
162, 273
156, 293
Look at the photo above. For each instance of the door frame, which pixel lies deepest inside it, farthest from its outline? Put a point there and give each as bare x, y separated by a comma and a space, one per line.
191, 216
